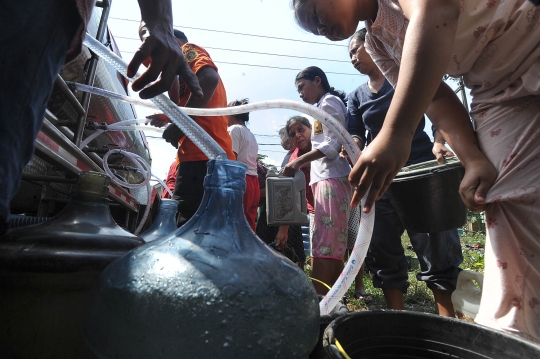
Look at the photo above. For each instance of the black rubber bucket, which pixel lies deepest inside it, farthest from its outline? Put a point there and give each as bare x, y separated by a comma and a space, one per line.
340, 310
402, 334
426, 196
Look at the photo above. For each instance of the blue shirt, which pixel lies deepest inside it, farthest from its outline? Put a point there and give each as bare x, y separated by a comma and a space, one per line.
366, 112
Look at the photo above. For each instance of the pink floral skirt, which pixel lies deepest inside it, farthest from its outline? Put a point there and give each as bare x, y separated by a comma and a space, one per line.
329, 227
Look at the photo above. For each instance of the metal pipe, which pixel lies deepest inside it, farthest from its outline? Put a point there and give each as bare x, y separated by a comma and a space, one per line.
54, 179
69, 95
85, 101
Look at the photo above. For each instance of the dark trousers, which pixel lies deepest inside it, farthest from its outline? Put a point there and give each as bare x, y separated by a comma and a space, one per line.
439, 253
34, 38
189, 189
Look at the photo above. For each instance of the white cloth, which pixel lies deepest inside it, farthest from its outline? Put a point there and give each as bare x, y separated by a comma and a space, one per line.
245, 146
330, 166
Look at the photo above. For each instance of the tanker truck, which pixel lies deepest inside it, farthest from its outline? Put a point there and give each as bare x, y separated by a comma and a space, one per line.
72, 116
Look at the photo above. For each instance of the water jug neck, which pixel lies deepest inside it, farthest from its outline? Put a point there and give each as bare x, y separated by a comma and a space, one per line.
224, 187
165, 222
92, 187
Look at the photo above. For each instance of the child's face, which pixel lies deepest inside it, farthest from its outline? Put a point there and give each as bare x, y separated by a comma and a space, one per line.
335, 19
360, 59
310, 91
300, 135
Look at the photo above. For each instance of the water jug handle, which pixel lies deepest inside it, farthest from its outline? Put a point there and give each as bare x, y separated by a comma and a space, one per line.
466, 277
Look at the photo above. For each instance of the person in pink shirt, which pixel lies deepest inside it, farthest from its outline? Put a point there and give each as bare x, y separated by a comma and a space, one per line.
495, 46
328, 175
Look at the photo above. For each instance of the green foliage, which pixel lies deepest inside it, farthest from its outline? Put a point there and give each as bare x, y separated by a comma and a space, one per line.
261, 159
476, 217
473, 246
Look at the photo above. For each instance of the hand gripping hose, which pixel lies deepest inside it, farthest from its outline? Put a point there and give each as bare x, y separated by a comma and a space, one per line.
212, 150
192, 130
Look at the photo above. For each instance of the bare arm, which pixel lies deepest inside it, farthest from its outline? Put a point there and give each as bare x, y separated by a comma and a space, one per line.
293, 166
209, 80
426, 53
160, 45
453, 124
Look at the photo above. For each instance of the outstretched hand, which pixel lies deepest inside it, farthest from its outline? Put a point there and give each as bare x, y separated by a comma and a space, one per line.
377, 167
479, 177
158, 119
441, 151
167, 62
290, 168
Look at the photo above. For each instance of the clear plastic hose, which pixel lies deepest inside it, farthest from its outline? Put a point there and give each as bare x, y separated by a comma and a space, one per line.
144, 168
192, 130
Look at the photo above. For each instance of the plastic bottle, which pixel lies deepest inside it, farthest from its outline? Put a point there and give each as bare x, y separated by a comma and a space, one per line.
466, 297
212, 289
47, 271
286, 199
165, 222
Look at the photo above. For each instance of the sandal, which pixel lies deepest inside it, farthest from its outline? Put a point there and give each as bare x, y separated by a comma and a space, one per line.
363, 297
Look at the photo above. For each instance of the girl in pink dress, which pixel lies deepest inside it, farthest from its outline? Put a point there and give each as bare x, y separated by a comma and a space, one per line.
495, 46
328, 176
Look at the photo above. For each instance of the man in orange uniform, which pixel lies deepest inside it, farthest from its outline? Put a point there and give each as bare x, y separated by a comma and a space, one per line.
188, 190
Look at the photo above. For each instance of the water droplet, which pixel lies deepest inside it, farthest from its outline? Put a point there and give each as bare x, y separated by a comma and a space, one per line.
225, 345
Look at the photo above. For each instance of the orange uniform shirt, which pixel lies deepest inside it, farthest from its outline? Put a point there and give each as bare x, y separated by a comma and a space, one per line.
216, 126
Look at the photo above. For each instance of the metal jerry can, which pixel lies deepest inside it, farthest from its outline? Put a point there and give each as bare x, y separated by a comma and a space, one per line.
286, 199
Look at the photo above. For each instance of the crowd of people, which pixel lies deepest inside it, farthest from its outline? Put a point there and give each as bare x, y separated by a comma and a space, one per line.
406, 46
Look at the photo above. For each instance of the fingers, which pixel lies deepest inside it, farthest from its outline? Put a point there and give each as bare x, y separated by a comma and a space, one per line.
167, 63
142, 54
440, 158
158, 119
355, 201
468, 194
163, 84
149, 76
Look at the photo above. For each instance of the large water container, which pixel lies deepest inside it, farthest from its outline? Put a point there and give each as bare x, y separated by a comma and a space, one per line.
466, 297
401, 334
212, 289
426, 196
47, 271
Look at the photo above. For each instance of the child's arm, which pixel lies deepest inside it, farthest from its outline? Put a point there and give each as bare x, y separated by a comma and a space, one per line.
293, 166
453, 123
426, 53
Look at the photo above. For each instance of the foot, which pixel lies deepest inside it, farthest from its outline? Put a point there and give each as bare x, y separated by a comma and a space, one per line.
363, 297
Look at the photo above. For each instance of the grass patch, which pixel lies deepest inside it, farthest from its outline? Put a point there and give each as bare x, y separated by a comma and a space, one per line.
419, 297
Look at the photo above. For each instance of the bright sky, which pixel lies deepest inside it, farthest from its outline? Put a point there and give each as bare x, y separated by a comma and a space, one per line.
258, 49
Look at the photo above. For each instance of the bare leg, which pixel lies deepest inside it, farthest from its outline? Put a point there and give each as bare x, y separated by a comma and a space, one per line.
394, 298
323, 270
443, 300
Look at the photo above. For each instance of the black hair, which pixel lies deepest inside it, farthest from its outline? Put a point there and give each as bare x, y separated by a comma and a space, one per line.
359, 35
180, 35
297, 5
241, 116
304, 121
286, 142
309, 73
